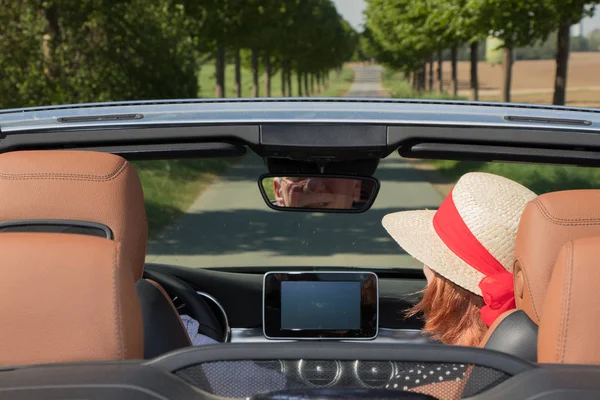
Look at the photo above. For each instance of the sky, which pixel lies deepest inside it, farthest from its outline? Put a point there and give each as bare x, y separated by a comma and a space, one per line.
352, 10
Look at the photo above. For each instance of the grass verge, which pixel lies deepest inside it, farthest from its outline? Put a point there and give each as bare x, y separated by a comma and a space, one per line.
171, 186
400, 88
539, 178
338, 84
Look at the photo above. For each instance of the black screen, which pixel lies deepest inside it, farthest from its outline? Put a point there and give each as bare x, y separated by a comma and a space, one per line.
320, 305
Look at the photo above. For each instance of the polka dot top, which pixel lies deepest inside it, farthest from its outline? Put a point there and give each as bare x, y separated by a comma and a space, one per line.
419, 375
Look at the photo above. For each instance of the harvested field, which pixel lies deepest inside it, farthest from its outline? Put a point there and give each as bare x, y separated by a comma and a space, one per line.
533, 80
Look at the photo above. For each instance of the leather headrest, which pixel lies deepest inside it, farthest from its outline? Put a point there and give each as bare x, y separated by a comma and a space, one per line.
568, 333
77, 185
548, 222
66, 297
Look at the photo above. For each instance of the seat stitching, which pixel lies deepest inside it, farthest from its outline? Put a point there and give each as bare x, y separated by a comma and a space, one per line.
524, 270
571, 272
564, 221
112, 175
564, 313
118, 325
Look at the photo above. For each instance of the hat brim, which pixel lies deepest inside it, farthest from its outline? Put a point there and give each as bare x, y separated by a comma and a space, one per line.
414, 232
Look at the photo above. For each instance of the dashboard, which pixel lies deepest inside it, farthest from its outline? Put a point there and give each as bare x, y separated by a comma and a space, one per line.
255, 307
238, 296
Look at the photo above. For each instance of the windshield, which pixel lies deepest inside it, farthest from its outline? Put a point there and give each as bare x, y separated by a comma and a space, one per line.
210, 213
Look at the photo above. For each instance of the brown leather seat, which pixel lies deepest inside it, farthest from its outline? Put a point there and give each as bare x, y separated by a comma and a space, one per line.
52, 190
81, 186
568, 317
66, 298
548, 222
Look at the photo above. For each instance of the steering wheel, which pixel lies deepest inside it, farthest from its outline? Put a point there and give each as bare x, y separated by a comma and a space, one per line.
196, 305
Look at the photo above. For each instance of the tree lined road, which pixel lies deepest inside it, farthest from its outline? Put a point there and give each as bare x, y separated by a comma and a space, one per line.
367, 82
229, 224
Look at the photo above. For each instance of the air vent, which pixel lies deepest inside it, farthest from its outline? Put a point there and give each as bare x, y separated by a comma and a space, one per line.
321, 373
559, 121
374, 374
100, 118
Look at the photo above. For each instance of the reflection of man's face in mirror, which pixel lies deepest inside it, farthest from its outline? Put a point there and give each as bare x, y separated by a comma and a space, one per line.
316, 192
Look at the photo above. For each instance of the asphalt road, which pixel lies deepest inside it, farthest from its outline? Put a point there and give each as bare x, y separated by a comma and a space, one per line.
367, 82
229, 224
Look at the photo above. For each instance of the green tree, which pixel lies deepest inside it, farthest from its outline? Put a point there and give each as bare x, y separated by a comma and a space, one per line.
68, 51
453, 23
516, 23
222, 27
400, 29
568, 12
23, 82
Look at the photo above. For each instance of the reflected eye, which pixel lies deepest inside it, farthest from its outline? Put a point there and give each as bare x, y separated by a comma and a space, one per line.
295, 179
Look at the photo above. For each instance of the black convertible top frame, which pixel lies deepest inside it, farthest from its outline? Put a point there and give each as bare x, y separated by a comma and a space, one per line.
321, 132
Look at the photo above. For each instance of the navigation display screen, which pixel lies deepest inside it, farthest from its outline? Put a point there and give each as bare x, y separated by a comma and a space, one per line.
320, 305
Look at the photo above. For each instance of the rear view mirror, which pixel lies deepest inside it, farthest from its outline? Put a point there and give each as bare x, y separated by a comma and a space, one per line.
324, 193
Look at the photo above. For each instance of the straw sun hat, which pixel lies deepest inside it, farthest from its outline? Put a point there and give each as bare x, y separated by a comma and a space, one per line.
489, 206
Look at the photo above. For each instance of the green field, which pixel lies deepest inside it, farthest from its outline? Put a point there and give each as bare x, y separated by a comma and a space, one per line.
338, 85
539, 178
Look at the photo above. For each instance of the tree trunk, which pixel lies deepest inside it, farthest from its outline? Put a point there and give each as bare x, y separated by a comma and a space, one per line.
254, 67
507, 62
299, 84
238, 73
288, 77
50, 41
267, 74
312, 84
431, 75
318, 82
220, 71
474, 77
439, 71
306, 89
283, 78
562, 62
454, 56
420, 75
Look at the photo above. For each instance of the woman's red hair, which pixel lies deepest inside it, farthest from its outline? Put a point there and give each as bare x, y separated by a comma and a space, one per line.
451, 313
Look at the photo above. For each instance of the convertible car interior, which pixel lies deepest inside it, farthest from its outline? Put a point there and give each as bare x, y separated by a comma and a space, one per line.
87, 315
